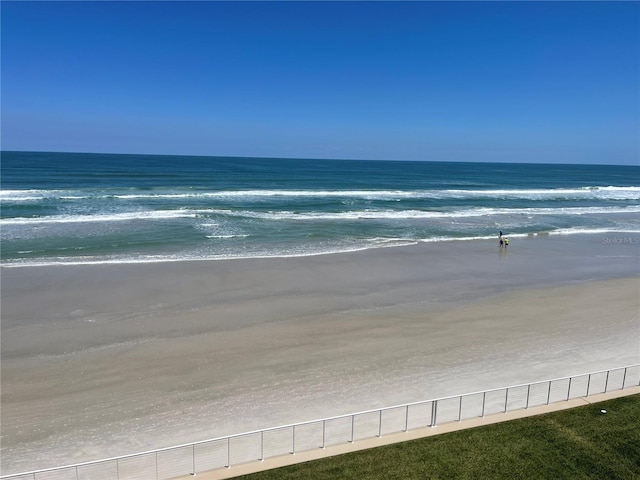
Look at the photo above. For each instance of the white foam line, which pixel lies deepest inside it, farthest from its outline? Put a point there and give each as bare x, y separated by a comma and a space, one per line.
603, 192
593, 231
227, 236
113, 217
422, 214
290, 215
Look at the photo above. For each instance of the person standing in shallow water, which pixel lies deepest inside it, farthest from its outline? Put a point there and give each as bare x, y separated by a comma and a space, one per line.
501, 241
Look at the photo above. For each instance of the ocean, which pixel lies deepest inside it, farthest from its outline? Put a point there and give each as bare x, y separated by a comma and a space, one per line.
75, 208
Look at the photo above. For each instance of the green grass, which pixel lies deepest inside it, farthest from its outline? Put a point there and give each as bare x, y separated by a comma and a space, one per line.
579, 443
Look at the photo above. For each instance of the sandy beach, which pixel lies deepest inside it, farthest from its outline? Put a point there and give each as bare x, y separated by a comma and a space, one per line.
106, 360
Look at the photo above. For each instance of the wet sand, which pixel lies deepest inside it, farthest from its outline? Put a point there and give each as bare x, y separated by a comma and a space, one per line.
107, 360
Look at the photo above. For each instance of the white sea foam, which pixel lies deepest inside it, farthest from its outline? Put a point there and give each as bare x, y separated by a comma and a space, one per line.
110, 217
16, 196
367, 214
586, 192
591, 231
387, 214
610, 192
227, 236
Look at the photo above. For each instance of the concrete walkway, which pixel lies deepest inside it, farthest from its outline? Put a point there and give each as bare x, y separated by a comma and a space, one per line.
284, 460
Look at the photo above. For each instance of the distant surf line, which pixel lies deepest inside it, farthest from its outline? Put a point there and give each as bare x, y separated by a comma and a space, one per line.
89, 193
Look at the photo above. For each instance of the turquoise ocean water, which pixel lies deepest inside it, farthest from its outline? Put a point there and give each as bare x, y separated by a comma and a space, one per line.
63, 208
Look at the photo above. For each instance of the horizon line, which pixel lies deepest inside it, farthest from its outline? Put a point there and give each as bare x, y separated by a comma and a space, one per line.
324, 158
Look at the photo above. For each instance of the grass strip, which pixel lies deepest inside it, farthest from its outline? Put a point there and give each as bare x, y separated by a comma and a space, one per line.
579, 443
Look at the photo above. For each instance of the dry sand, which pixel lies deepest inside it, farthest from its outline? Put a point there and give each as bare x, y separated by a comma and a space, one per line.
107, 360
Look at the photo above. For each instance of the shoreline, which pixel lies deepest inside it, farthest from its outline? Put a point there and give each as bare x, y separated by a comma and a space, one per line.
107, 360
608, 236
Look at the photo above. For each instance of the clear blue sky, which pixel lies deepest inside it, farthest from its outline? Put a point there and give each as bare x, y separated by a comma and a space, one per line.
452, 81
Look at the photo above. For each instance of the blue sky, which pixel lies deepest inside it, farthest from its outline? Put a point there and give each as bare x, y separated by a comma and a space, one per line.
451, 81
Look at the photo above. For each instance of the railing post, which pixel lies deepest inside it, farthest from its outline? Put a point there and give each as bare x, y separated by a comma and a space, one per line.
624, 378
434, 412
353, 421
506, 398
606, 382
528, 393
77, 473
228, 453
193, 455
588, 384
156, 465
406, 419
293, 440
262, 445
380, 424
484, 398
460, 408
549, 393
324, 431
569, 388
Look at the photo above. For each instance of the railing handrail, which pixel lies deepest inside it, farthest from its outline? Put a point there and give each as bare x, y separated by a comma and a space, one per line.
308, 422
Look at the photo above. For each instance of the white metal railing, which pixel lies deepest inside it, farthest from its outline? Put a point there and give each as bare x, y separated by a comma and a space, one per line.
223, 452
